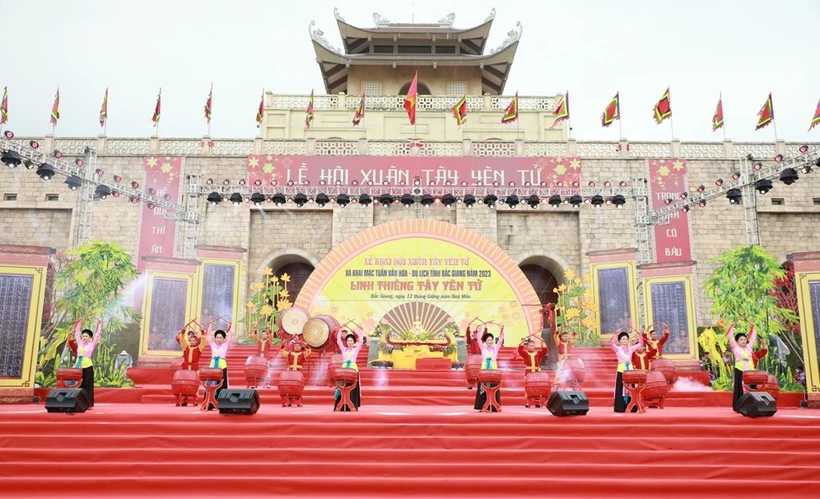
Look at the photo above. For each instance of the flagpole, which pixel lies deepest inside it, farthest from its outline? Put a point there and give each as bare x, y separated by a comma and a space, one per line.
210, 108
569, 116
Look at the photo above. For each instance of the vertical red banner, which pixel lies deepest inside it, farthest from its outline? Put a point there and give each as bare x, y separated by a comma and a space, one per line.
157, 234
667, 180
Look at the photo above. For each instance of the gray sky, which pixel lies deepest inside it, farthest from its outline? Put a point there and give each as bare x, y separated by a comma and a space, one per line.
744, 48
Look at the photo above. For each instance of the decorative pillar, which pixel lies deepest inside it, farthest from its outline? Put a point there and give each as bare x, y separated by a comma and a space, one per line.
153, 145
102, 144
23, 271
218, 284
168, 303
807, 282
572, 147
258, 145
669, 299
614, 284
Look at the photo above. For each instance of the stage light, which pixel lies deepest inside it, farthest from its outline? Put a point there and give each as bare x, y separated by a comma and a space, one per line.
495, 183
57, 153
684, 195
73, 182
464, 183
307, 182
134, 199
342, 200
431, 183
607, 184
322, 199
778, 158
527, 183
623, 183
763, 186
364, 200
210, 181
555, 201
167, 197
416, 181
45, 171
386, 200
354, 183
300, 199
99, 172
135, 185
257, 182
214, 198
152, 191
448, 200
102, 191
807, 168
34, 144
591, 183
576, 201
789, 176
9, 134
226, 182
734, 196
701, 188
560, 183
804, 149
597, 200
511, 184
685, 209
667, 201
702, 203
427, 200
619, 201
512, 201
490, 200
29, 165
533, 201
257, 198
115, 193
575, 183
242, 181
719, 182
383, 183
79, 162
279, 199
407, 200
736, 176
757, 166
117, 179
150, 206
469, 201
273, 182
11, 159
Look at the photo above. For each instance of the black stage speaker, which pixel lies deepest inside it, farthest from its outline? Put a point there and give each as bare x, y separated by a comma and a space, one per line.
568, 403
67, 400
238, 401
757, 405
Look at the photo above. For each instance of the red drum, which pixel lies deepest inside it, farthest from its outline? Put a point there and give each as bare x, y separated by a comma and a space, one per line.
633, 376
471, 368
318, 331
291, 386
256, 370
537, 387
489, 376
292, 320
185, 384
345, 375
176, 364
655, 388
72, 375
573, 371
773, 387
210, 374
755, 378
335, 361
667, 367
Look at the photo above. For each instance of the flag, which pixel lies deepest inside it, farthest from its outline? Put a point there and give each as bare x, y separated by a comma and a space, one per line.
260, 112
511, 112
612, 111
561, 112
209, 105
411, 98
104, 109
4, 107
814, 121
309, 112
766, 114
663, 109
157, 109
359, 116
55, 109
460, 111
717, 119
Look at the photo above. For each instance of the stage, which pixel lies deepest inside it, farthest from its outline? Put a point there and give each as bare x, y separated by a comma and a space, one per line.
135, 450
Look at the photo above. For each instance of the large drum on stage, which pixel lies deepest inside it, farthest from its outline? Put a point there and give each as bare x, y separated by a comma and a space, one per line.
773, 387
655, 389
185, 384
73, 375
291, 384
317, 331
210, 374
538, 384
633, 376
489, 376
472, 367
667, 367
345, 375
335, 362
292, 320
256, 370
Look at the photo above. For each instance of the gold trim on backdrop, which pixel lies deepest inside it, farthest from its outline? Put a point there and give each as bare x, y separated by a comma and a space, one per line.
691, 322
200, 281
190, 280
631, 282
810, 353
35, 314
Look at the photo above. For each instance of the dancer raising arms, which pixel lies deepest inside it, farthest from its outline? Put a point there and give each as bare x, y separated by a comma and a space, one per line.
192, 346
219, 341
86, 344
489, 354
742, 348
350, 344
620, 345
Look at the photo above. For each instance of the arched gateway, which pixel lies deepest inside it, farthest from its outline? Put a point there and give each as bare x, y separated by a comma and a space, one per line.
410, 261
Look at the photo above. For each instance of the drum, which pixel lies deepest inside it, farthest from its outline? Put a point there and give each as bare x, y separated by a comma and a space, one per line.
73, 375
633, 376
317, 331
185, 382
666, 367
176, 364
472, 367
291, 383
345, 375
335, 361
210, 374
256, 370
489, 376
538, 384
773, 387
573, 371
757, 378
292, 320
656, 386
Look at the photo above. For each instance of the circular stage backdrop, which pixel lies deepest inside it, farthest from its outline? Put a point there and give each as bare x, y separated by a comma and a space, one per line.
422, 261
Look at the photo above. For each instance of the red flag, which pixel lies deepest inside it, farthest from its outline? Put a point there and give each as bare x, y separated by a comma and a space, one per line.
4, 107
209, 105
157, 108
260, 112
104, 109
309, 112
717, 119
411, 98
460, 111
612, 111
359, 116
816, 120
663, 109
561, 112
511, 112
55, 109
766, 114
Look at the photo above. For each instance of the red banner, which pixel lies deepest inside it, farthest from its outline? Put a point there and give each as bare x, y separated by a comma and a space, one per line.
403, 170
158, 235
667, 180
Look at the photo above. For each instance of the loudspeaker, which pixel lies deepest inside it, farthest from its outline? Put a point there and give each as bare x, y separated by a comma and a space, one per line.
568, 403
244, 401
757, 404
67, 400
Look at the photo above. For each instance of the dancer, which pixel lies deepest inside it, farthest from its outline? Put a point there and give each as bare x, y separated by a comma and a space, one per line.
640, 359
264, 348
564, 344
532, 358
654, 346
220, 341
624, 353
759, 354
86, 341
350, 352
473, 342
297, 354
741, 346
489, 354
192, 346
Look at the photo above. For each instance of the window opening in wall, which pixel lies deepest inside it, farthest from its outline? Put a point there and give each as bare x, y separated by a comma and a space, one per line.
52, 197
457, 89
777, 202
10, 196
816, 201
372, 88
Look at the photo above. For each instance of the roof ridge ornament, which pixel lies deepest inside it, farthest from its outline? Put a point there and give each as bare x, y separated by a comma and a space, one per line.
447, 21
318, 36
379, 20
491, 16
337, 15
512, 37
